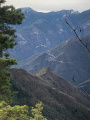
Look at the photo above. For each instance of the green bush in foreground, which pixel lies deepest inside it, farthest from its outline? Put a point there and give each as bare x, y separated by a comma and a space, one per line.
36, 112
20, 112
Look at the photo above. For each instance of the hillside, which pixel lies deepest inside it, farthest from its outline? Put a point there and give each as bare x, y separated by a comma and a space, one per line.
41, 31
69, 60
60, 99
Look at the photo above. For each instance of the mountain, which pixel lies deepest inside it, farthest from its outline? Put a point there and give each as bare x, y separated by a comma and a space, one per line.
70, 60
41, 31
60, 99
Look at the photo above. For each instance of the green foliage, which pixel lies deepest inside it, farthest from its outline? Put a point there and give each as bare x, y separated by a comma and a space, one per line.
20, 112
5, 91
36, 112
13, 113
8, 16
6, 42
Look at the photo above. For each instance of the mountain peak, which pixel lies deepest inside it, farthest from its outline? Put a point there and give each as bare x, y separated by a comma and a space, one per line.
27, 10
43, 71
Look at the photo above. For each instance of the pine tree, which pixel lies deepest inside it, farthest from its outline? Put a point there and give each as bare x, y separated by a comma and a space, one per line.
5, 86
9, 16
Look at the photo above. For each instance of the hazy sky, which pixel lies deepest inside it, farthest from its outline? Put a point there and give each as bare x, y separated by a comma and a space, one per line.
51, 5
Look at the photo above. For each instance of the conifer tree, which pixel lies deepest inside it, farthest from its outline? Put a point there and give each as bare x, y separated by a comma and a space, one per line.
9, 16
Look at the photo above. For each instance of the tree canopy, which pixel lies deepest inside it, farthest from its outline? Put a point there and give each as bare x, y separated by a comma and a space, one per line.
17, 112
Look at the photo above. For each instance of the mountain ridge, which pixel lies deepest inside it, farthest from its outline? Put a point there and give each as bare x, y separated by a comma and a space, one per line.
61, 102
69, 59
40, 32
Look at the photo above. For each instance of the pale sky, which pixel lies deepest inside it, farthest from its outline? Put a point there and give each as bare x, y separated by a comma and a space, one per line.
51, 5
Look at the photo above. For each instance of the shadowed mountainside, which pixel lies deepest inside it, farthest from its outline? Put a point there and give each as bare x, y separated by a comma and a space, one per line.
60, 99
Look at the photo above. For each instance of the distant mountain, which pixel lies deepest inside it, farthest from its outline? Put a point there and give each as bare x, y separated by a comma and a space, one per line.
60, 99
42, 31
70, 60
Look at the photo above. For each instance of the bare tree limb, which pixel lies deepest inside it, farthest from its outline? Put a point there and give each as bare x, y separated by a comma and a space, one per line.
74, 30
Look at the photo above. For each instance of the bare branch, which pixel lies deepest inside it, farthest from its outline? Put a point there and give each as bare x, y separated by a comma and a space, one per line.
74, 30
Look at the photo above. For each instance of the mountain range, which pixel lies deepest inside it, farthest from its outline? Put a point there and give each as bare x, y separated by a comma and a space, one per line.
46, 44
42, 31
61, 100
71, 60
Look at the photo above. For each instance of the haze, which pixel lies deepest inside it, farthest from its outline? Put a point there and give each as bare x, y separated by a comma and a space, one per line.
51, 5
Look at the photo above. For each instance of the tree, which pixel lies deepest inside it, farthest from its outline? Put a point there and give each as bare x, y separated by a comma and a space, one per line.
76, 34
5, 91
13, 113
20, 112
36, 112
8, 16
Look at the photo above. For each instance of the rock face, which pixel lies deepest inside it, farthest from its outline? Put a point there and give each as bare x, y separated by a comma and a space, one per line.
61, 100
42, 31
70, 60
